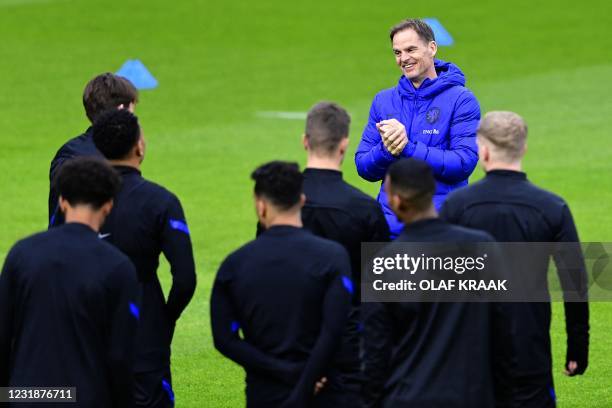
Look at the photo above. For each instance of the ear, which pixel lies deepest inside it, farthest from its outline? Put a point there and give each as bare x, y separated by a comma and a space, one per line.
63, 204
395, 203
433, 48
107, 207
524, 150
486, 153
131, 107
260, 208
305, 142
302, 200
140, 147
483, 150
344, 145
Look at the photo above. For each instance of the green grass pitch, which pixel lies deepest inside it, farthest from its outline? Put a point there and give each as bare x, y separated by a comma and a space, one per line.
219, 63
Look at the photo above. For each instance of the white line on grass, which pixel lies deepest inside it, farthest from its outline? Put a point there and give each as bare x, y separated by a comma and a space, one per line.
282, 115
8, 3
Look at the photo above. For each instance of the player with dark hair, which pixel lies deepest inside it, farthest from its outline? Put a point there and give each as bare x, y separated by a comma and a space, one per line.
147, 220
280, 303
426, 355
105, 91
116, 134
69, 303
512, 209
430, 115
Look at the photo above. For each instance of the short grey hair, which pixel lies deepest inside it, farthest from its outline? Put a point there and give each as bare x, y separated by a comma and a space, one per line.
507, 132
419, 26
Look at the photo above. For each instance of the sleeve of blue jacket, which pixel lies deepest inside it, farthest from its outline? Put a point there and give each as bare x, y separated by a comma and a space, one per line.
372, 158
457, 162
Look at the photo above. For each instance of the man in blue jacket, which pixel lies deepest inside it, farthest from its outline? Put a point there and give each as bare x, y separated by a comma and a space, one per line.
429, 115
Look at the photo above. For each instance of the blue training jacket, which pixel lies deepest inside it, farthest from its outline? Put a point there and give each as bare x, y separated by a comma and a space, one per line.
441, 118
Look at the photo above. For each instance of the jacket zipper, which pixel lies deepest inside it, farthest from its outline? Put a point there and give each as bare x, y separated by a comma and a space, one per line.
416, 96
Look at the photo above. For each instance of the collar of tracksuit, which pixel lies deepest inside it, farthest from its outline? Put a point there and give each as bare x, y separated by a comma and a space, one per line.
78, 227
281, 229
327, 173
518, 175
124, 170
424, 223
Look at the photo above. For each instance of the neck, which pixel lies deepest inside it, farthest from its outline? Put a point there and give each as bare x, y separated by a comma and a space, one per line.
327, 163
423, 215
431, 74
293, 219
503, 166
131, 162
85, 215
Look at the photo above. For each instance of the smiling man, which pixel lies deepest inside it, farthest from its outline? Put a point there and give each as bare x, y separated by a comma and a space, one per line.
430, 115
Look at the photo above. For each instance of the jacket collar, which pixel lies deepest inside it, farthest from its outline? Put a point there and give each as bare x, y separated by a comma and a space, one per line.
327, 173
427, 224
78, 227
125, 170
449, 75
508, 174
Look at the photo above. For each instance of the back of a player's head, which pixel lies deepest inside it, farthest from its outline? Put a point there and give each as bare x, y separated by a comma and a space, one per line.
506, 134
280, 183
419, 26
115, 133
87, 181
107, 91
327, 124
413, 181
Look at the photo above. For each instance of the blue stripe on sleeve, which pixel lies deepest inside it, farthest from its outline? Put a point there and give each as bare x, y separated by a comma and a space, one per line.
179, 226
168, 388
348, 284
135, 311
235, 326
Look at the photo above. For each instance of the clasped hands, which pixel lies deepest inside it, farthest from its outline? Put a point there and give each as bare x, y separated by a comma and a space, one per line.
393, 135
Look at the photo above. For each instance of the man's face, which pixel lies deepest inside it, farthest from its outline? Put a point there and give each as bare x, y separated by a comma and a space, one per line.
414, 56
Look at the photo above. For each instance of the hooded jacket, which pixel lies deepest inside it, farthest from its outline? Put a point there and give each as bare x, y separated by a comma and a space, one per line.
441, 118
